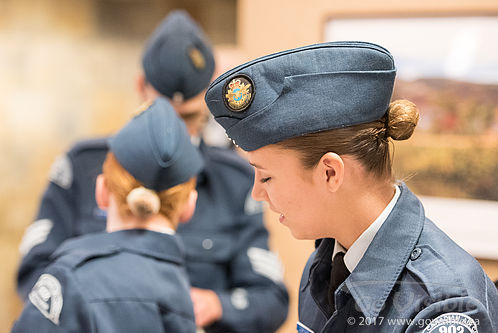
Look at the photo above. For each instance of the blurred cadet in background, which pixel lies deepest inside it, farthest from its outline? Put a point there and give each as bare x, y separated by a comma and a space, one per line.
319, 119
131, 278
238, 281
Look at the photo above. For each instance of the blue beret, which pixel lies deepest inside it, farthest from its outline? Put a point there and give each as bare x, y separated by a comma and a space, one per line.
155, 148
300, 91
178, 58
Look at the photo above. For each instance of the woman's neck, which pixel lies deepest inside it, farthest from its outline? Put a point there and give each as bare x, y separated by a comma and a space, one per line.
358, 214
157, 222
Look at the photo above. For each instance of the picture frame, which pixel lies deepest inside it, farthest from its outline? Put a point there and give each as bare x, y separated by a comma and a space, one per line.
447, 66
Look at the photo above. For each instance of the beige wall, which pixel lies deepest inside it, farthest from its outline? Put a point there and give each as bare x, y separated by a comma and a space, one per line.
268, 26
60, 81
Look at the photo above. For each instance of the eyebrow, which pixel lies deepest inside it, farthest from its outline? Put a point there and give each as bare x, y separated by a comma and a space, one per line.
256, 166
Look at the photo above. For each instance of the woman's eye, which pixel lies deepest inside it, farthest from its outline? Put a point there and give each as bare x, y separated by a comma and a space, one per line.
264, 180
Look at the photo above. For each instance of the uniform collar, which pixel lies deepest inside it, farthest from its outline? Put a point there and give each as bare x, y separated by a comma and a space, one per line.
144, 242
373, 278
359, 247
195, 140
165, 230
378, 270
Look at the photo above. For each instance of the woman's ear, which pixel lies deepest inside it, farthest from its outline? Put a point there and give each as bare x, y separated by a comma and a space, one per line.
140, 84
331, 169
101, 193
189, 208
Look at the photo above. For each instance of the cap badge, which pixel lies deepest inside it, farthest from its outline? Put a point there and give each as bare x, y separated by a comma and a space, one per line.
197, 58
239, 93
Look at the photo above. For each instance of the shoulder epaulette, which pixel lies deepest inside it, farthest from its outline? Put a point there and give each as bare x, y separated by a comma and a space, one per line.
89, 144
74, 252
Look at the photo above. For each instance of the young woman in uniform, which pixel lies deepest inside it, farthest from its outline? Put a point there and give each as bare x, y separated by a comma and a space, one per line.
317, 123
132, 277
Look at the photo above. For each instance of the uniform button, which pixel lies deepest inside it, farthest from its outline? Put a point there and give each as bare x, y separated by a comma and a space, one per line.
416, 253
207, 244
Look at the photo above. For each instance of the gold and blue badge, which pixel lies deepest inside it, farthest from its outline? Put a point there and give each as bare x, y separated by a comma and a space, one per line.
238, 93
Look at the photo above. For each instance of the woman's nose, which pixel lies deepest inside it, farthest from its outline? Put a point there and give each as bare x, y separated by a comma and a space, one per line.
258, 192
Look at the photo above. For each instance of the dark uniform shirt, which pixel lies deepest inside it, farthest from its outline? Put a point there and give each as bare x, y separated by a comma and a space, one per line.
125, 281
226, 242
412, 278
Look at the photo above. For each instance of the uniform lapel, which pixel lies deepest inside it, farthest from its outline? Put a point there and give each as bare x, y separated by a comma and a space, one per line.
320, 275
372, 280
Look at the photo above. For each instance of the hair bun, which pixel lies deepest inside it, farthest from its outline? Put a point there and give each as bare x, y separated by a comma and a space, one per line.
402, 117
143, 202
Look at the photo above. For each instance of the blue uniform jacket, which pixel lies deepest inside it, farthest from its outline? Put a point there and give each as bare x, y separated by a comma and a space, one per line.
125, 281
412, 278
226, 242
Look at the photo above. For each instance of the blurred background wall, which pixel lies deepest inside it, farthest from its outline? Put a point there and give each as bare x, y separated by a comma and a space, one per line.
67, 70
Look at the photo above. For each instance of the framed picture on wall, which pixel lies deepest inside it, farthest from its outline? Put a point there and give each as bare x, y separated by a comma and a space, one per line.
448, 66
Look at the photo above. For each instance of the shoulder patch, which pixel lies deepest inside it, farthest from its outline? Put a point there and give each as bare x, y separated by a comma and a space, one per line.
266, 263
35, 234
61, 172
427, 265
46, 296
452, 322
251, 206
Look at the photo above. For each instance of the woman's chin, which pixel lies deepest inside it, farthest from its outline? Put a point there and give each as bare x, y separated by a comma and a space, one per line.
301, 234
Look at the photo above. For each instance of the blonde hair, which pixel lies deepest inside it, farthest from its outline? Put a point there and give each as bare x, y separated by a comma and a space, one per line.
368, 143
133, 199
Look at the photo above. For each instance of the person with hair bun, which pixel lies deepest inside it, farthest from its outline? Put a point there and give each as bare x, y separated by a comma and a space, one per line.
317, 123
131, 278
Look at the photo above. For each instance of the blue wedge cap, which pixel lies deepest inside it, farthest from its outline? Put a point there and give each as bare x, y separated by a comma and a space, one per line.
155, 148
304, 90
178, 59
